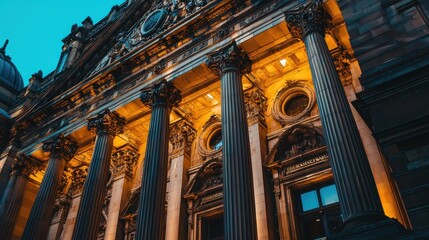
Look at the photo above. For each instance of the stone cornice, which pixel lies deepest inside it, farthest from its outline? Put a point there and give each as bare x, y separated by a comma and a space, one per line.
128, 88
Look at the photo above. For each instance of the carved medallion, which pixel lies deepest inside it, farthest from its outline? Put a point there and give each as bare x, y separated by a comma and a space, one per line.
153, 22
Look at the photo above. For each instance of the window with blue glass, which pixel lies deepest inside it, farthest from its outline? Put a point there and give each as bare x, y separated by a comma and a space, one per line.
319, 212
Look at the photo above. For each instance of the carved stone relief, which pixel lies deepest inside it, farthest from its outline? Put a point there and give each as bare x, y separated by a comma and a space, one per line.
256, 106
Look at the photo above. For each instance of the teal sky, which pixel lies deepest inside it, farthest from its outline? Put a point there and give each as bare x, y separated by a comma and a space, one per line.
35, 29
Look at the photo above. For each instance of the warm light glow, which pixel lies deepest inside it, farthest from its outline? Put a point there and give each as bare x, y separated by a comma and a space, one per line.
283, 62
209, 95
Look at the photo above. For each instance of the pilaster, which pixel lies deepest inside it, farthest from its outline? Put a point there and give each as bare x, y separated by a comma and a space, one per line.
11, 201
182, 135
124, 161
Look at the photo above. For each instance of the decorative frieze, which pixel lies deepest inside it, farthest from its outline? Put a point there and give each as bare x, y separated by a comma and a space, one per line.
61, 147
124, 160
107, 122
256, 106
182, 135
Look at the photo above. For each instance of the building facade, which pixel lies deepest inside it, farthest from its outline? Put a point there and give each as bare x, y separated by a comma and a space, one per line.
197, 119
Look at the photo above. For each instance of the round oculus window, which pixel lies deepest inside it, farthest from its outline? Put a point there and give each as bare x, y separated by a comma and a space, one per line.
296, 104
153, 22
215, 141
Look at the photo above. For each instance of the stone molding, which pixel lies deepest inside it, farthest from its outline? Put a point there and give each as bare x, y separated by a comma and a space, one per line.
182, 135
124, 160
210, 127
290, 89
163, 93
61, 147
308, 19
229, 58
107, 122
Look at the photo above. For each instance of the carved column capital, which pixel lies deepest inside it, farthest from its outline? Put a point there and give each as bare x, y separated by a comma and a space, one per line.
256, 106
308, 19
182, 135
342, 64
61, 147
107, 122
124, 160
163, 93
229, 58
25, 166
78, 179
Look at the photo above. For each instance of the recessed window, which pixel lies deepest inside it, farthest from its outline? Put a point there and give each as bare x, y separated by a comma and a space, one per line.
215, 141
319, 213
296, 105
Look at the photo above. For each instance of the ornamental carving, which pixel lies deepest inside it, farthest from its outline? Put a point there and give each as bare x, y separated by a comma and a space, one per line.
124, 160
78, 179
161, 94
342, 65
229, 58
65, 183
308, 19
298, 140
107, 122
161, 16
25, 166
256, 106
293, 90
210, 129
61, 147
182, 135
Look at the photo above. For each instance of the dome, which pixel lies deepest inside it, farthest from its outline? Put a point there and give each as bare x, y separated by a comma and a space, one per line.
9, 75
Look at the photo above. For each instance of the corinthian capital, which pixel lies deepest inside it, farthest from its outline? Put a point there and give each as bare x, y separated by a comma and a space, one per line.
107, 122
124, 160
256, 106
61, 147
231, 58
308, 19
182, 134
163, 93
25, 165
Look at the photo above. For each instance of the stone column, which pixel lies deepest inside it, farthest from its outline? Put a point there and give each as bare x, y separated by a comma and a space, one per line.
62, 150
182, 134
359, 200
22, 168
107, 125
230, 63
150, 218
123, 161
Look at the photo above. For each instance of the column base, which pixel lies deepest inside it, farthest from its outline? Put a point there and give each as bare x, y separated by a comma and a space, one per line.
388, 228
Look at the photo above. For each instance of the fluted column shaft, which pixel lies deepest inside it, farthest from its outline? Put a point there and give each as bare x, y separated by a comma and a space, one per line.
239, 207
150, 218
359, 200
4, 202
38, 222
22, 168
107, 125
